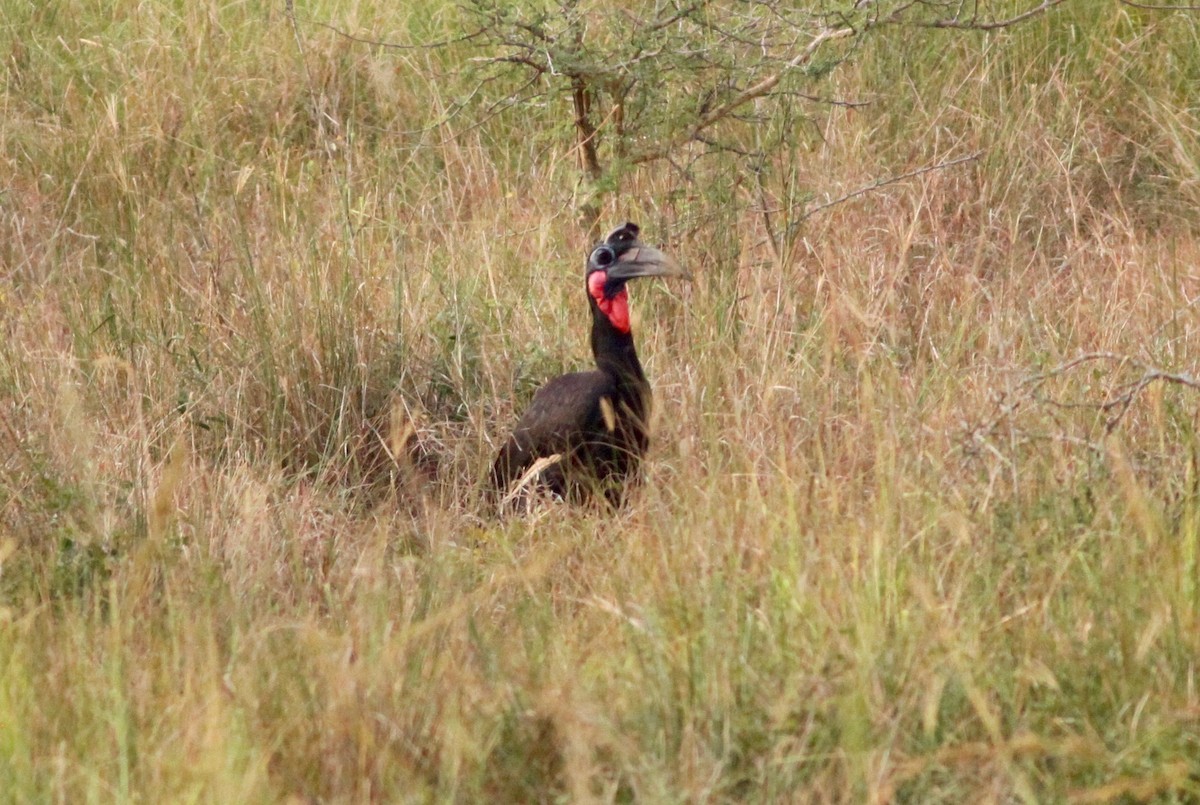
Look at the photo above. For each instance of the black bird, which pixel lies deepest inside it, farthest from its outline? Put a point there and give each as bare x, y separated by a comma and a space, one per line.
595, 423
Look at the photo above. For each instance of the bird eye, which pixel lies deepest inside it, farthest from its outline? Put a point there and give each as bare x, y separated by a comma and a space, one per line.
603, 257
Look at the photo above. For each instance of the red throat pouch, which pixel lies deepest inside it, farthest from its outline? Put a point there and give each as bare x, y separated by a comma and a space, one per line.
615, 307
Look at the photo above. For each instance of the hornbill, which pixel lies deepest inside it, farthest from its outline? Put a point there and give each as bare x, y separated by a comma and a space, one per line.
586, 432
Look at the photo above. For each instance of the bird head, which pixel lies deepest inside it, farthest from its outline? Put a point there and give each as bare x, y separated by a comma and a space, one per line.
618, 259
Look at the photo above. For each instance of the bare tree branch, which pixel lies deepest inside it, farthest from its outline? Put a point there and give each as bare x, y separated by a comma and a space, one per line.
824, 101
532, 64
1149, 7
1122, 402
381, 43
1112, 408
974, 24
319, 113
885, 182
1122, 397
1087, 357
680, 14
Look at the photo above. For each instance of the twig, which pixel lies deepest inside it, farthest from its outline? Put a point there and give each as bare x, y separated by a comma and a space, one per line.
680, 14
1087, 357
1113, 407
974, 25
884, 183
1125, 393
1149, 7
1063, 438
319, 115
826, 101
1135, 388
380, 43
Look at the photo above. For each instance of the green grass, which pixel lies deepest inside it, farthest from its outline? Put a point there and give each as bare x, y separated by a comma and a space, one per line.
868, 564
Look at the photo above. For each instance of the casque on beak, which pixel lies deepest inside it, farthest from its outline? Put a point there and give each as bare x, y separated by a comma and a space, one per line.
645, 261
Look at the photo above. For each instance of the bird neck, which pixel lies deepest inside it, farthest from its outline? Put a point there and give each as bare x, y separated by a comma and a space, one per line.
614, 352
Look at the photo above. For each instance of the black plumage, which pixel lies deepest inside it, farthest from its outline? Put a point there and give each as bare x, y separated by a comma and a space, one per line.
595, 423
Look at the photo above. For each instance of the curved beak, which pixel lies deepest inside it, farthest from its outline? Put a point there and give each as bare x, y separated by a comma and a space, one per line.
645, 261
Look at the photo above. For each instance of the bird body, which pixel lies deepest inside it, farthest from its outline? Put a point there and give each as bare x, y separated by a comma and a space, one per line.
596, 423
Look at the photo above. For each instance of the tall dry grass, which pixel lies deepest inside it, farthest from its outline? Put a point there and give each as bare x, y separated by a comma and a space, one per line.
871, 561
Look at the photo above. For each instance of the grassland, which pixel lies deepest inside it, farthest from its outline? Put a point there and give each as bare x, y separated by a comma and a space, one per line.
890, 547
